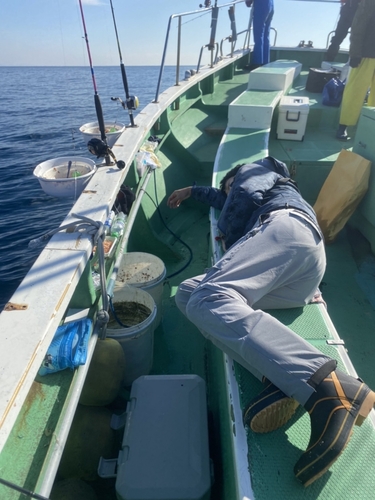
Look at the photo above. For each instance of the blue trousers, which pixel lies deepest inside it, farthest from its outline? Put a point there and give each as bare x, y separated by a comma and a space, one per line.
277, 265
262, 17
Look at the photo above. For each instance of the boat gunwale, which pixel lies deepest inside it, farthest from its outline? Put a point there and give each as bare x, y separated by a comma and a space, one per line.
95, 202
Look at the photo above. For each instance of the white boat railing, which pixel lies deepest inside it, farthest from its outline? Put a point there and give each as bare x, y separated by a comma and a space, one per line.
210, 45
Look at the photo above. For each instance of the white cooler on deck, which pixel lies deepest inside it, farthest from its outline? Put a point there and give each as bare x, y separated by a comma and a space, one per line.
293, 112
165, 452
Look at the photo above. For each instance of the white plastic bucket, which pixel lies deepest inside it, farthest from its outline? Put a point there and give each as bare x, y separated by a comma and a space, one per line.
113, 130
66, 176
137, 340
145, 271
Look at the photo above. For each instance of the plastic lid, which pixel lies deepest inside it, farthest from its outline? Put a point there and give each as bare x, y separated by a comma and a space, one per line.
165, 453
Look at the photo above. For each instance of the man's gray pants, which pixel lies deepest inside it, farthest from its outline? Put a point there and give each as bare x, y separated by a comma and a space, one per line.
277, 265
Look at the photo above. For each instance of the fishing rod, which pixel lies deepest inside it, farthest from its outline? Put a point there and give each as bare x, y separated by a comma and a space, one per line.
98, 147
132, 102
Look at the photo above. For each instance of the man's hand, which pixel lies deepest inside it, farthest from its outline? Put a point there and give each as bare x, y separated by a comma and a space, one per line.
249, 3
354, 62
175, 199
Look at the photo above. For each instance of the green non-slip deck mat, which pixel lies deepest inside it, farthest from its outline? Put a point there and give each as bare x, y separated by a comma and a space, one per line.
33, 432
272, 456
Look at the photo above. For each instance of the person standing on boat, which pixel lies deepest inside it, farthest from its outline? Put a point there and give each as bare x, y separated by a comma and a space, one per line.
347, 13
274, 258
362, 62
262, 16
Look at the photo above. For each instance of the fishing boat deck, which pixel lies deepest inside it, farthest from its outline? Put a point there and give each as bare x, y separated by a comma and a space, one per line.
351, 309
348, 290
348, 284
190, 145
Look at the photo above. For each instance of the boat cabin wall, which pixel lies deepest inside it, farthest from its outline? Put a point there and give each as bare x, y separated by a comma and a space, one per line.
364, 145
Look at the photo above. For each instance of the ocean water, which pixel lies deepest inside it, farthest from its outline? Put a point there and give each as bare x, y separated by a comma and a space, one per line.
42, 109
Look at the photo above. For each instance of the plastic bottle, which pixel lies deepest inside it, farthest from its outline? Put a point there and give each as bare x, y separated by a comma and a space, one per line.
108, 223
118, 225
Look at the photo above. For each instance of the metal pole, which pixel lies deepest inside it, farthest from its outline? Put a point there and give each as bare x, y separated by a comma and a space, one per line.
178, 50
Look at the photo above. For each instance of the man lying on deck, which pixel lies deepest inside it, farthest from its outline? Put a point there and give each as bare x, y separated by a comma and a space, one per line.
275, 258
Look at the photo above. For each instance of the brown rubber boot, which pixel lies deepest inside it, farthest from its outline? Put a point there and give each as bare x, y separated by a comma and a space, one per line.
340, 402
269, 410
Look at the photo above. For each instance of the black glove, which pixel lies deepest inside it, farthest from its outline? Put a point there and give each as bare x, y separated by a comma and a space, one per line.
354, 62
249, 3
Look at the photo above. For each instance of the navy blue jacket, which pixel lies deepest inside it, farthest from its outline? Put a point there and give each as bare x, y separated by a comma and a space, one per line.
258, 188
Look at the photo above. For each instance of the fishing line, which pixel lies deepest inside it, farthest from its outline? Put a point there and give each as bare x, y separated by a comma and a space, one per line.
67, 135
131, 101
98, 105
195, 18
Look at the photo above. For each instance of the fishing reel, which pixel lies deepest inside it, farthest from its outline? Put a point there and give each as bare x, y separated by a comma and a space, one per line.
131, 103
101, 150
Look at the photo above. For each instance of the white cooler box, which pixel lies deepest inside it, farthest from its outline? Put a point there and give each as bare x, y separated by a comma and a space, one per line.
165, 453
293, 112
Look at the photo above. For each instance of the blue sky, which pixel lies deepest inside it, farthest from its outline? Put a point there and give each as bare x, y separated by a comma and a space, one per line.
50, 32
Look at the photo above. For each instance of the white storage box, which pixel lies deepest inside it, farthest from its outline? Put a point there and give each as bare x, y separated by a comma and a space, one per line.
293, 112
165, 453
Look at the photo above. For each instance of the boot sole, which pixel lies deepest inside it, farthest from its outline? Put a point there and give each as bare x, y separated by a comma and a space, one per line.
366, 407
274, 416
